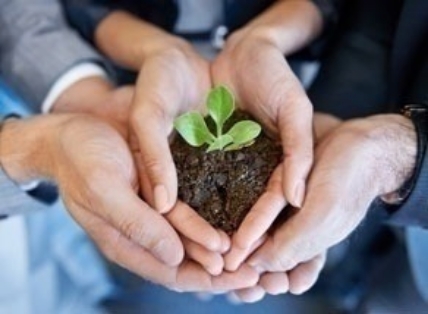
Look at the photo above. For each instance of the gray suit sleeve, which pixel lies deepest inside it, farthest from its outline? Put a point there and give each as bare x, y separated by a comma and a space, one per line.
37, 46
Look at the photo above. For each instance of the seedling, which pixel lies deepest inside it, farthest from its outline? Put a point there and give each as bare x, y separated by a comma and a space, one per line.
221, 105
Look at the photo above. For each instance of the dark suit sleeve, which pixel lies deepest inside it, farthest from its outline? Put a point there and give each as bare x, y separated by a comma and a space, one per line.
86, 15
414, 210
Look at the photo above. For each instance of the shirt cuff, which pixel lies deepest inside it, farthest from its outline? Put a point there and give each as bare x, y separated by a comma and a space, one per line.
72, 76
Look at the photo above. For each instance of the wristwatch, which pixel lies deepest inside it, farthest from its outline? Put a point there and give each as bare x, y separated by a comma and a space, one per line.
418, 113
419, 116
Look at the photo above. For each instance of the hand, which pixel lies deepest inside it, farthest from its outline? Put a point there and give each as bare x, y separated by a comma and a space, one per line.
170, 82
98, 97
257, 72
94, 170
357, 162
252, 234
296, 281
95, 173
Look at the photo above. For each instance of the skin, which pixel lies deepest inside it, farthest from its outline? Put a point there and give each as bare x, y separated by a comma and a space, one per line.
173, 79
99, 98
356, 162
97, 177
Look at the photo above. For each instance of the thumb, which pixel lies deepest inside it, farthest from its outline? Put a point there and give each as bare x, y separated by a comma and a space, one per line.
152, 127
296, 132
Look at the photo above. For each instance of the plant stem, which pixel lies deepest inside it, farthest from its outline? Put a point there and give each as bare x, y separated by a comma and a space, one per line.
219, 131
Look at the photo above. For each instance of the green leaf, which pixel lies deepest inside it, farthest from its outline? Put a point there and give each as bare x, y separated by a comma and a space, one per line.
193, 129
244, 132
220, 143
221, 105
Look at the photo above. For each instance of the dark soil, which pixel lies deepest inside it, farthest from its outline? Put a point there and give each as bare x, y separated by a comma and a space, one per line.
222, 186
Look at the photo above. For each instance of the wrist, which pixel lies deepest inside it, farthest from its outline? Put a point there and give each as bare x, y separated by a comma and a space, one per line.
287, 25
136, 41
84, 96
26, 150
396, 150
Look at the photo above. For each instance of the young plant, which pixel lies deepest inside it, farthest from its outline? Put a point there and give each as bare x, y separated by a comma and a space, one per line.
221, 105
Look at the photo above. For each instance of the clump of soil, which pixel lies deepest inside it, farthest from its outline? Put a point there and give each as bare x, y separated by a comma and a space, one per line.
222, 186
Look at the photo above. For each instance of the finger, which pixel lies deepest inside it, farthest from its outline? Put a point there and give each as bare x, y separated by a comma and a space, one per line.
304, 276
145, 185
118, 205
250, 295
152, 126
274, 283
243, 277
225, 240
295, 125
189, 223
317, 226
212, 262
189, 276
234, 259
268, 258
259, 219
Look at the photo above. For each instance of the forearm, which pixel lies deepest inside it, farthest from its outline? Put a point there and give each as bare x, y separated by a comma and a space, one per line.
288, 24
128, 40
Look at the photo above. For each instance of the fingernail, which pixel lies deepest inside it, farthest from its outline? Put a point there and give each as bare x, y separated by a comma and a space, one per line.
299, 194
161, 198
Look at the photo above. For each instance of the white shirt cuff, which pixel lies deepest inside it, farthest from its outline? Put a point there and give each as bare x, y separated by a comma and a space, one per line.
75, 74
27, 187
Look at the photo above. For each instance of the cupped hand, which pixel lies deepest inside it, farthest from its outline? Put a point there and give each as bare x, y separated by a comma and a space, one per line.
98, 181
253, 230
357, 162
253, 233
257, 72
170, 82
96, 175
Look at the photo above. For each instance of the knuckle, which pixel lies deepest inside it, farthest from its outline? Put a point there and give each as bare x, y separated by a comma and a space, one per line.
153, 166
134, 231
